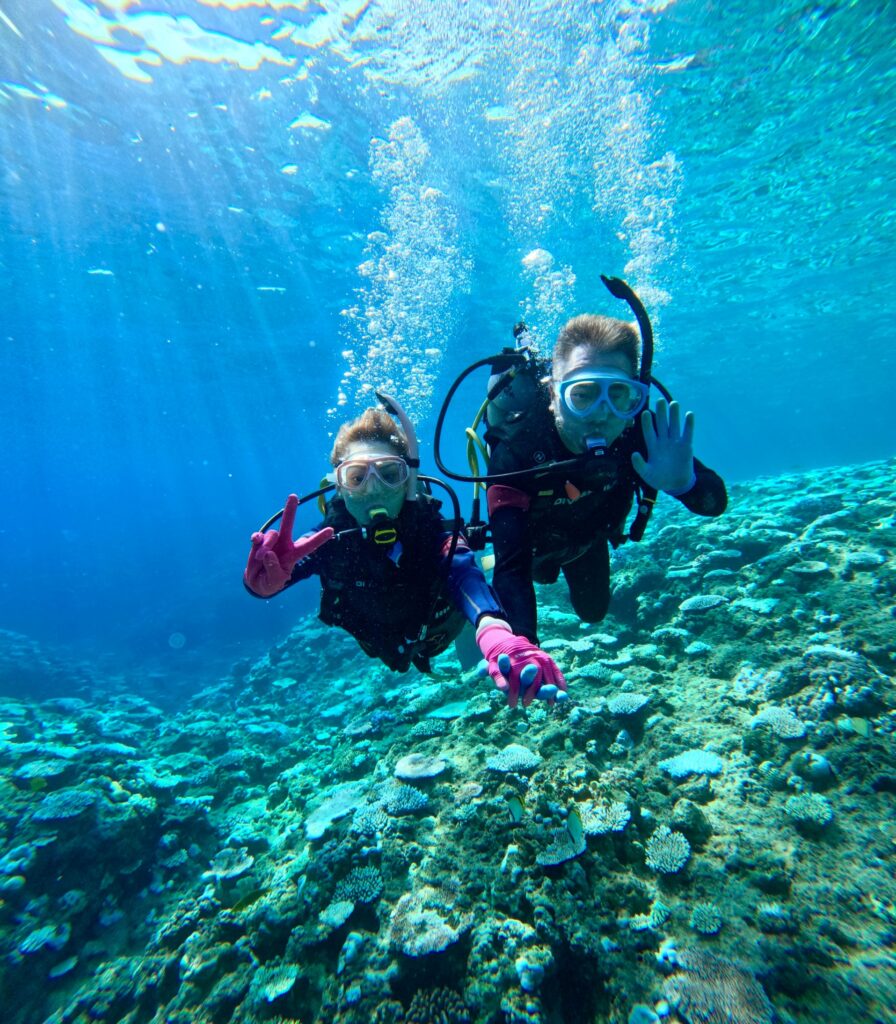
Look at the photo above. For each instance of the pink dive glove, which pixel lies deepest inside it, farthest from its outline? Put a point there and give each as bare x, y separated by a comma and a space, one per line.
518, 666
274, 554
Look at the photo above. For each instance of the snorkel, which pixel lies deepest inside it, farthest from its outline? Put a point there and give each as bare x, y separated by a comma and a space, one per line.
381, 526
619, 289
413, 460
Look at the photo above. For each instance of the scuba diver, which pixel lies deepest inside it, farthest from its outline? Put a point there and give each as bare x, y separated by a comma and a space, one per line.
570, 444
391, 574
594, 406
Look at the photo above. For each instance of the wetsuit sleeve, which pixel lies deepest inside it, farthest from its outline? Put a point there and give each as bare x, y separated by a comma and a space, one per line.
468, 586
513, 568
708, 496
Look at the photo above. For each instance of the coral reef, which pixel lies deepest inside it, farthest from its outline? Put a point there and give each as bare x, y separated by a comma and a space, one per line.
702, 833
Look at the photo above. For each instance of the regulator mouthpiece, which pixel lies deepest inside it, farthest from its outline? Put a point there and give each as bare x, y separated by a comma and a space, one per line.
381, 529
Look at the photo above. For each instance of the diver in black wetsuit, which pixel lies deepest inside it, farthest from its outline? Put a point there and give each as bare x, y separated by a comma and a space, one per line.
391, 575
566, 518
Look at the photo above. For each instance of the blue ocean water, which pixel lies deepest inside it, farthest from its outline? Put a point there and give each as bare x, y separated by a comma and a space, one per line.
221, 221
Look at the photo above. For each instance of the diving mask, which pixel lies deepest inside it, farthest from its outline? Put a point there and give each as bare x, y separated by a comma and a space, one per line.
391, 470
582, 395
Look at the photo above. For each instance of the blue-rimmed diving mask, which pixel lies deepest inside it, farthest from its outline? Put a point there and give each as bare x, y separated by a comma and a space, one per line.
582, 395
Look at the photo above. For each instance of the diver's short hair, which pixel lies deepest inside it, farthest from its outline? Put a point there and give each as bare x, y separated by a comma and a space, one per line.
372, 425
604, 334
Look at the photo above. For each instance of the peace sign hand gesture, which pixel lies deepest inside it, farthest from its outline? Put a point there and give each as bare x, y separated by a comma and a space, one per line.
274, 553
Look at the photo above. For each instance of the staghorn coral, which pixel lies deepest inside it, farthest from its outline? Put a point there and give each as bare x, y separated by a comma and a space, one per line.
706, 918
667, 851
692, 762
810, 810
437, 1006
627, 703
513, 758
398, 798
782, 722
599, 817
361, 885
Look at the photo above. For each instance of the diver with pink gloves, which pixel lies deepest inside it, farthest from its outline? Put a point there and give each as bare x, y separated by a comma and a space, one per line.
391, 574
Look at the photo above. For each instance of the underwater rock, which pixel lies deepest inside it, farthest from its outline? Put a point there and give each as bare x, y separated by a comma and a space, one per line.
270, 983
229, 864
688, 819
335, 914
341, 801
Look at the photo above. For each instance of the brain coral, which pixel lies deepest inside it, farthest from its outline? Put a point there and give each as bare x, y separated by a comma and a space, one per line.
667, 851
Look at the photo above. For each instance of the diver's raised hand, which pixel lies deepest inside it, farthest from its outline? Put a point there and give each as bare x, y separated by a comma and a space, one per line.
669, 465
518, 667
274, 553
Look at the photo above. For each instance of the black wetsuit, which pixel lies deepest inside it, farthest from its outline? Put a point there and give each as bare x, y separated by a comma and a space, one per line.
385, 595
566, 519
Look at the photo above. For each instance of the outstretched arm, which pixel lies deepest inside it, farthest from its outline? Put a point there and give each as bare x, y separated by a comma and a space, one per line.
518, 667
509, 521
